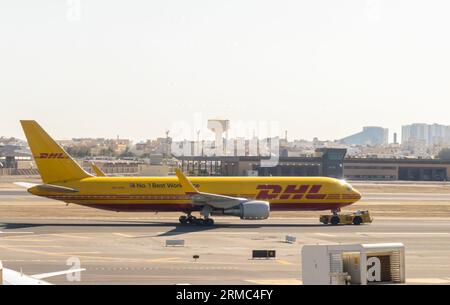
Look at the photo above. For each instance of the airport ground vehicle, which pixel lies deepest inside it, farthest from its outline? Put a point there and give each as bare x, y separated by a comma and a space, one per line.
356, 218
244, 197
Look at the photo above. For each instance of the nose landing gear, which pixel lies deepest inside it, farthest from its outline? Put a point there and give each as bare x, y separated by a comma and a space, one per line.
336, 211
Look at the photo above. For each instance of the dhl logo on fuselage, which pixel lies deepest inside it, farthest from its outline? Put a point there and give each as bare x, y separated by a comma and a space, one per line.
275, 191
51, 156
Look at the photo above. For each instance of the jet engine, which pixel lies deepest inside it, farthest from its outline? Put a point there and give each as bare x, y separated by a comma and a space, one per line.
249, 210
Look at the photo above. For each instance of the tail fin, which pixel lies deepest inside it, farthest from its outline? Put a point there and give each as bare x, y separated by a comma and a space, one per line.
53, 162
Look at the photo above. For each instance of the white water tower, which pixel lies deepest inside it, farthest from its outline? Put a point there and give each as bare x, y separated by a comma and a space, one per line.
219, 127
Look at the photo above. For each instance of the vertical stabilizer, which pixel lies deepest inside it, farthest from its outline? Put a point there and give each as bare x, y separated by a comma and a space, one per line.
53, 162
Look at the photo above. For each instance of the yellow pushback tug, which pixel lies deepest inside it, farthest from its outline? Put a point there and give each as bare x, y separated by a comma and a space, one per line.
355, 218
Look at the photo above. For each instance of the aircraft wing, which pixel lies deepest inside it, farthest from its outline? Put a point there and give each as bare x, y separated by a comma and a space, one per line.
200, 198
11, 277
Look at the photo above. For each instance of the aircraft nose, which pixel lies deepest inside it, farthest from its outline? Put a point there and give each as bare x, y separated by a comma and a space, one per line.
357, 194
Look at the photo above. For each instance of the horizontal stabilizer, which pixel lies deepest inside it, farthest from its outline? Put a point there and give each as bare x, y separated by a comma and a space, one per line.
26, 185
56, 188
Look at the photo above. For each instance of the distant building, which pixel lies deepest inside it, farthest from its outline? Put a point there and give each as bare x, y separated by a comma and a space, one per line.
332, 161
396, 169
329, 162
369, 136
326, 162
430, 134
158, 146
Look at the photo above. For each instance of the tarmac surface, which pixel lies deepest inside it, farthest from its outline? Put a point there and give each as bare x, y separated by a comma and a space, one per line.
39, 235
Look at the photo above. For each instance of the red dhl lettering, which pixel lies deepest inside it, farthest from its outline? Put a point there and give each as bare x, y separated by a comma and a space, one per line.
293, 190
51, 156
275, 191
268, 191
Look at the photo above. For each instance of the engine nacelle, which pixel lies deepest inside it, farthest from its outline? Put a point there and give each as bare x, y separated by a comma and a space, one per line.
250, 210
255, 210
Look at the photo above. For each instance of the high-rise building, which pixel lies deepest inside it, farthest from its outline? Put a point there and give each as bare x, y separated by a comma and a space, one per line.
431, 134
371, 135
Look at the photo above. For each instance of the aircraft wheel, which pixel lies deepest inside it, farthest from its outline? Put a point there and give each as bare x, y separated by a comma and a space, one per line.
199, 222
191, 220
335, 220
209, 222
357, 220
183, 220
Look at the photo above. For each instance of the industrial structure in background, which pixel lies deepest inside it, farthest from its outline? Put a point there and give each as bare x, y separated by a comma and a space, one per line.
363, 156
328, 162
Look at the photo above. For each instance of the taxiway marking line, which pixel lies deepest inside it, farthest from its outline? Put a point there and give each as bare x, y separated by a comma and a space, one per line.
427, 281
284, 262
325, 234
1, 232
166, 259
38, 246
70, 236
124, 235
209, 233
276, 282
119, 259
26, 240
74, 253
404, 233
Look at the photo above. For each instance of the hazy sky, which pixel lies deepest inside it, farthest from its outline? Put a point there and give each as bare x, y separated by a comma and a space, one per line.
322, 68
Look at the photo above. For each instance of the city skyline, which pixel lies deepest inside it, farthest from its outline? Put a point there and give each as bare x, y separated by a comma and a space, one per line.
400, 135
419, 141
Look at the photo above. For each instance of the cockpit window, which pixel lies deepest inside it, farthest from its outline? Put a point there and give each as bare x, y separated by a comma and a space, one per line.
347, 186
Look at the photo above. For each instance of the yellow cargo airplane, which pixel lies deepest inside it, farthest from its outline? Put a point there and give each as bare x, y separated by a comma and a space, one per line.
245, 197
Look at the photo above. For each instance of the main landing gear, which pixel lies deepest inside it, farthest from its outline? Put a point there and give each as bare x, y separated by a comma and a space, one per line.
192, 220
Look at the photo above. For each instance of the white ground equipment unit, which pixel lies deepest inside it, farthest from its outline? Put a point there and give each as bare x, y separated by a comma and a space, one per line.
356, 264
